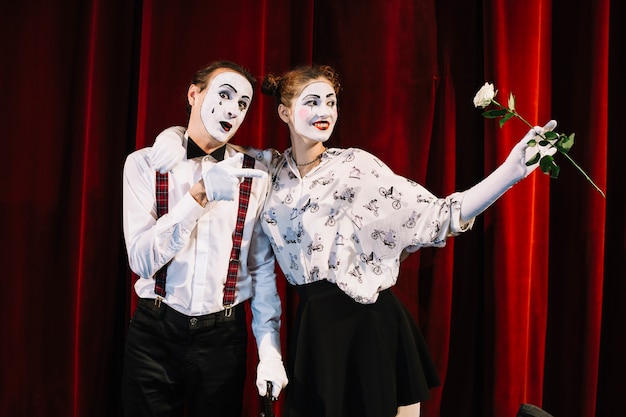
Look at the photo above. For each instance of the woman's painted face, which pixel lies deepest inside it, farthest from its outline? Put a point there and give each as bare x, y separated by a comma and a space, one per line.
225, 105
315, 111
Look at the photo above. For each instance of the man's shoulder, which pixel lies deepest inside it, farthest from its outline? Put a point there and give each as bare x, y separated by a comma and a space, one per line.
138, 162
140, 155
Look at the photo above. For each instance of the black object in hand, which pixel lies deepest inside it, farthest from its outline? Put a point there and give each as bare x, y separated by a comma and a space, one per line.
268, 402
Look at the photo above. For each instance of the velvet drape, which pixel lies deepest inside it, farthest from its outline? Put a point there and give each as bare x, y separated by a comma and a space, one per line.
526, 308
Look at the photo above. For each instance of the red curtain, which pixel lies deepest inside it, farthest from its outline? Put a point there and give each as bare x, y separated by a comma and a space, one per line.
526, 308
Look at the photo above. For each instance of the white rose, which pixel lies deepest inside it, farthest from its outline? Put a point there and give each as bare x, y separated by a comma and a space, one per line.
484, 96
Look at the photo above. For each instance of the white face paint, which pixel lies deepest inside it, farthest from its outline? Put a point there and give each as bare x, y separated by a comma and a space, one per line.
315, 111
225, 104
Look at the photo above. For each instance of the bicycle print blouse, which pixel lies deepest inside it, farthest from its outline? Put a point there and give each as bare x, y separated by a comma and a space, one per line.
349, 219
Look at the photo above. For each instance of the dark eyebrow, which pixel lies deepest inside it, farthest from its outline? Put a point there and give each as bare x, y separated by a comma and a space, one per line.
316, 96
229, 86
234, 89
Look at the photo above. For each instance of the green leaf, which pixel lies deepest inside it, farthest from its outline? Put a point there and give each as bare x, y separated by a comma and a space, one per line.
532, 142
533, 160
550, 135
548, 165
544, 143
506, 118
565, 143
492, 114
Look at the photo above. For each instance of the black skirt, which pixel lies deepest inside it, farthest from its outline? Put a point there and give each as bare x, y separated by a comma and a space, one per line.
351, 359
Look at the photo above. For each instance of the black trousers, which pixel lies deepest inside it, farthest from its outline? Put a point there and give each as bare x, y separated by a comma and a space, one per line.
174, 363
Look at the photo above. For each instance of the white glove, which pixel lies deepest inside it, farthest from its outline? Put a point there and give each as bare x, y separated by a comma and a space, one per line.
478, 198
521, 153
221, 180
270, 366
168, 149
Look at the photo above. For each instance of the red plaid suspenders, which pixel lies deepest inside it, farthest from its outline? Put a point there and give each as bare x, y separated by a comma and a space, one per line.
233, 262
161, 190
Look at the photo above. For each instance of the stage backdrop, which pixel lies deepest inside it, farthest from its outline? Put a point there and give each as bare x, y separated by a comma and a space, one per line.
526, 308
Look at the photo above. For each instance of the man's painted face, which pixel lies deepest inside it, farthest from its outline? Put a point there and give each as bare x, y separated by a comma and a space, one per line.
315, 111
225, 104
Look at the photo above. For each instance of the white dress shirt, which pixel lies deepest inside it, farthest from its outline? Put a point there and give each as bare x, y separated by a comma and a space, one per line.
348, 220
198, 241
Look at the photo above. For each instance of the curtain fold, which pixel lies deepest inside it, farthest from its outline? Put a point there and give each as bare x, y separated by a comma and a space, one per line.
517, 59
525, 308
579, 272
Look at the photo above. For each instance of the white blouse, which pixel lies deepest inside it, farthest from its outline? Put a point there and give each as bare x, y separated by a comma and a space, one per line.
348, 220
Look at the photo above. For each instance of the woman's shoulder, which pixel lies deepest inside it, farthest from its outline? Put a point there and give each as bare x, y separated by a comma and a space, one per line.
356, 155
267, 157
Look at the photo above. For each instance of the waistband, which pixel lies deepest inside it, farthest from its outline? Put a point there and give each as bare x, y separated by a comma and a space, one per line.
167, 313
325, 288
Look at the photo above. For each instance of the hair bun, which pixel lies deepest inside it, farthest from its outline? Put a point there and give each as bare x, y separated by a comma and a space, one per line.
270, 85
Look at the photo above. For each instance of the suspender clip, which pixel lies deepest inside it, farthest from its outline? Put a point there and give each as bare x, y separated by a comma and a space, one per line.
157, 301
228, 311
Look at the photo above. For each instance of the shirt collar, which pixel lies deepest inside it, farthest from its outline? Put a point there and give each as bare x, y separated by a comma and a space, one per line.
194, 151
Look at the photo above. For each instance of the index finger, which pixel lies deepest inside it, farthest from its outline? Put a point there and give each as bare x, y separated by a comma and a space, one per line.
248, 173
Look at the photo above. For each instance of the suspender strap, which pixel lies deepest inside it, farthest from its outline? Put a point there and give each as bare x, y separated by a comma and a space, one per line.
233, 262
162, 189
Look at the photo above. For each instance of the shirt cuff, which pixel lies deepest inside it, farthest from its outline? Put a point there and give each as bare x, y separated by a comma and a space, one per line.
187, 211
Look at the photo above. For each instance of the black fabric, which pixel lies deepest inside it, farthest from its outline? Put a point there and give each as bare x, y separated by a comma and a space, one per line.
176, 365
351, 359
194, 151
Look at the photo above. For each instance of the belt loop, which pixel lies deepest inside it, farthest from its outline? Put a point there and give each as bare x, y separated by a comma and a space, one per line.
228, 311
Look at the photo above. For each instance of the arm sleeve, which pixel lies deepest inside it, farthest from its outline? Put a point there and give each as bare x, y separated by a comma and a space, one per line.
478, 198
406, 214
150, 242
265, 302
